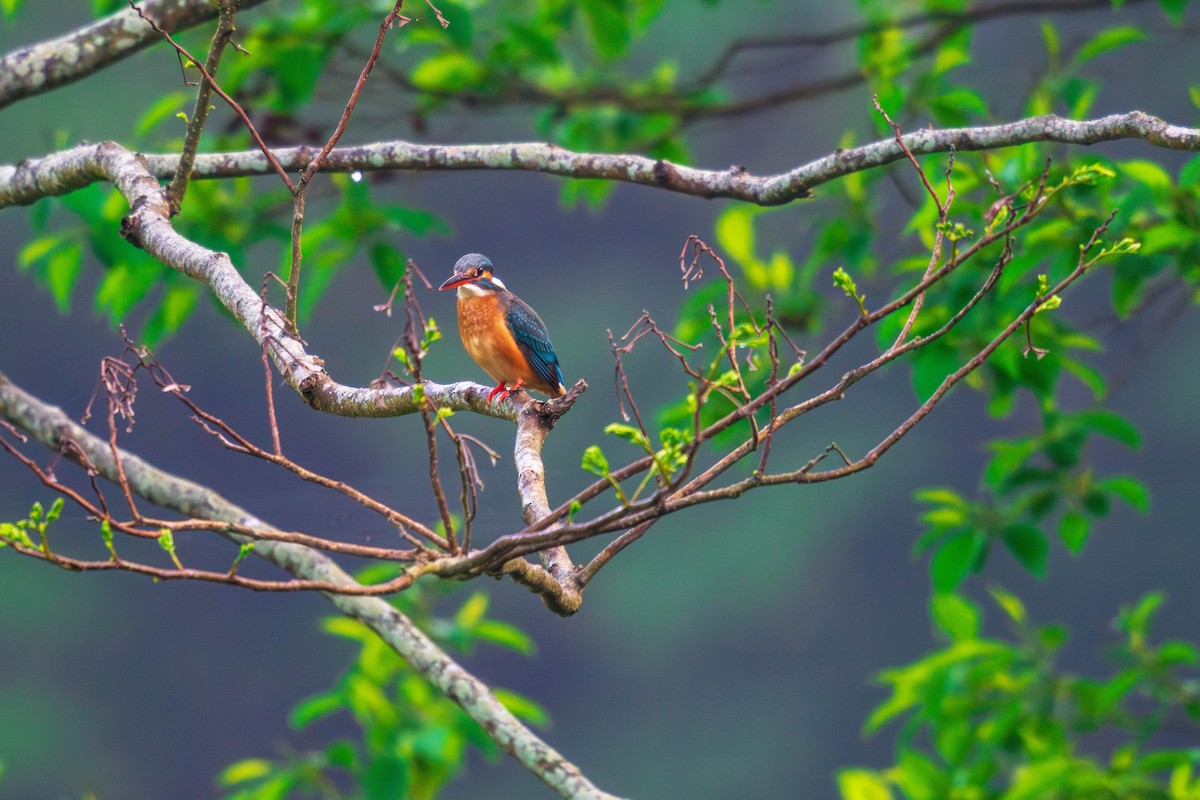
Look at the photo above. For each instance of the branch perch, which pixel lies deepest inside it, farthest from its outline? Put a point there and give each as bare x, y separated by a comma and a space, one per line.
69, 170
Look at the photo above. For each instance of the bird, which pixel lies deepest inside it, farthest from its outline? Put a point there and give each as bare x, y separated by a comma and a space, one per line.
501, 332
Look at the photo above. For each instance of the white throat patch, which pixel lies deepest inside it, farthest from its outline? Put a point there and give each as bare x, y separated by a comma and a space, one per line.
470, 290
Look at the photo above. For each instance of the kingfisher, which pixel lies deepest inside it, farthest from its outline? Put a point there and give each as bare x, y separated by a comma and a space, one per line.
501, 332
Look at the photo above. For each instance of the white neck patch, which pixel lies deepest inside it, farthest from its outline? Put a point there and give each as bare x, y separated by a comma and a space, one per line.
471, 290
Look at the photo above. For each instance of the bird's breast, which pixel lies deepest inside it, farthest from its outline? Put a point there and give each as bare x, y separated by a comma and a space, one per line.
487, 339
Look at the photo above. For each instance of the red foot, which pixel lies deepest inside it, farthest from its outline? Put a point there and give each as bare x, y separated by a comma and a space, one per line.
504, 391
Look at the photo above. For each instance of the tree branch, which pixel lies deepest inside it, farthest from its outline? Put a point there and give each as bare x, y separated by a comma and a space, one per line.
69, 170
54, 429
148, 226
55, 62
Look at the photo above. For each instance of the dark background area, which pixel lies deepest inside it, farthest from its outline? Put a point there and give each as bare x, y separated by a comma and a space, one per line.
729, 653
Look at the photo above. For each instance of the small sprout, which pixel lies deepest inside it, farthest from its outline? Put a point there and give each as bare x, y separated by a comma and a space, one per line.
419, 395
246, 549
843, 281
1089, 174
1125, 246
167, 542
1050, 303
572, 510
955, 231
595, 462
629, 434
107, 535
182, 116
12, 533
432, 333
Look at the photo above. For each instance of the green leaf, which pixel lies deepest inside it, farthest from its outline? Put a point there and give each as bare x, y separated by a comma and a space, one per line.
174, 309
919, 777
1011, 604
316, 707
955, 615
940, 495
1109, 40
1112, 425
1088, 375
608, 28
734, 230
505, 634
298, 67
1189, 173
1028, 545
594, 461
62, 271
37, 249
472, 611
1176, 652
1073, 529
522, 707
347, 629
389, 264
629, 433
162, 109
1136, 620
250, 769
954, 560
1174, 10
414, 220
861, 784
1051, 41
1131, 490
448, 72
1148, 173
1040, 780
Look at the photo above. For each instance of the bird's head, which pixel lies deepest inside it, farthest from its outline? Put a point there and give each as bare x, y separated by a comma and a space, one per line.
473, 275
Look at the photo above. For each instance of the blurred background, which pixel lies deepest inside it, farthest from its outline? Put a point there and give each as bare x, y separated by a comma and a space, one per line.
729, 653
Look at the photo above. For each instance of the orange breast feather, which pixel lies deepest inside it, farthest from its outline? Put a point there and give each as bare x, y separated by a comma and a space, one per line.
487, 340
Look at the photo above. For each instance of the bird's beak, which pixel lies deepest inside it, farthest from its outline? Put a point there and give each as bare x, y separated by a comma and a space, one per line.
455, 281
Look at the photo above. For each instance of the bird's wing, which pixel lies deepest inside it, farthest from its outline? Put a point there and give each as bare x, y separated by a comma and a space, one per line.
533, 340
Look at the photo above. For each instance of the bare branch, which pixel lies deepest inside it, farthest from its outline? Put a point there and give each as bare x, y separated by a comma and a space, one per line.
67, 171
82, 52
210, 81
52, 428
300, 189
191, 141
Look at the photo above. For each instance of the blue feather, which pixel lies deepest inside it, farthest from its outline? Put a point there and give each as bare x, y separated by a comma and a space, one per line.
532, 339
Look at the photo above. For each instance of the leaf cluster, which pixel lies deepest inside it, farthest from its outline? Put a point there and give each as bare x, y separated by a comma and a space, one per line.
990, 717
412, 739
